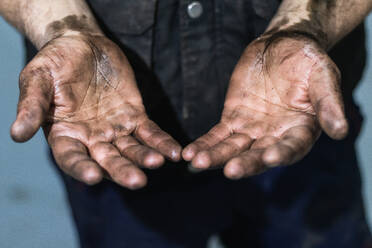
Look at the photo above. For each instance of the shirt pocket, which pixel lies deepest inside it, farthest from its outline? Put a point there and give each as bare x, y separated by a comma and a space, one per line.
128, 22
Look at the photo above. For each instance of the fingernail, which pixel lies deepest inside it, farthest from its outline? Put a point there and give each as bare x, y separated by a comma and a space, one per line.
187, 154
175, 155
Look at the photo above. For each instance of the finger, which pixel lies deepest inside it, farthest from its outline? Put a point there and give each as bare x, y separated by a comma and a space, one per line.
141, 155
264, 142
214, 136
291, 147
222, 152
34, 102
248, 163
72, 157
150, 134
326, 97
120, 169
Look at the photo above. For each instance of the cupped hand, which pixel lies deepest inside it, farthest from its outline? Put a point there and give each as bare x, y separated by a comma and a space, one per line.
82, 90
282, 93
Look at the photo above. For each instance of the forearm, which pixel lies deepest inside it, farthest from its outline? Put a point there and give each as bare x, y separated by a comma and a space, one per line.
326, 20
43, 20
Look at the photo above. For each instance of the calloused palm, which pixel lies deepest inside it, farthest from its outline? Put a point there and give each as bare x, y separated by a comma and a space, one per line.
279, 99
82, 90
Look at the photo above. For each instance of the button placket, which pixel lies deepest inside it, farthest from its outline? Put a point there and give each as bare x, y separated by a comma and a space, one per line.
197, 44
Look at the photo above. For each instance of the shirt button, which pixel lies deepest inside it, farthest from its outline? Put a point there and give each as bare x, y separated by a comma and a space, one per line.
195, 9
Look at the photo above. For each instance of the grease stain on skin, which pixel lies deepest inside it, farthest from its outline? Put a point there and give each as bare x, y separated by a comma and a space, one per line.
71, 22
314, 27
119, 128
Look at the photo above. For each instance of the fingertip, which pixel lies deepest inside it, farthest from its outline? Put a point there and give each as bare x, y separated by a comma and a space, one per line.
153, 161
136, 181
337, 129
18, 134
175, 154
188, 153
271, 157
233, 170
92, 176
202, 160
27, 124
331, 117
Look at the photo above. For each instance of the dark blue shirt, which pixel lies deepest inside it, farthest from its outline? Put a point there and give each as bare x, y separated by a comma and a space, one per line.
183, 62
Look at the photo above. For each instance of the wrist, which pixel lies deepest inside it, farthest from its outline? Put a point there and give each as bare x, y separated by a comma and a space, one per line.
304, 30
272, 37
68, 26
326, 21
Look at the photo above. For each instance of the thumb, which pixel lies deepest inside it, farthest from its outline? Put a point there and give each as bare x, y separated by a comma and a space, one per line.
326, 97
34, 102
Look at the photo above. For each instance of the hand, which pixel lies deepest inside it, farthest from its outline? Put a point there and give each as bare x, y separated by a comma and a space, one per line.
82, 90
281, 94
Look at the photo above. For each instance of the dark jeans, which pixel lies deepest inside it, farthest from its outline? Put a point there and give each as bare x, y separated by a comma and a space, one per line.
316, 203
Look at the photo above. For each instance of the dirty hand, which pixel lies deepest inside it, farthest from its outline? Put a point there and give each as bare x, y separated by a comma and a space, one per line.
281, 94
82, 90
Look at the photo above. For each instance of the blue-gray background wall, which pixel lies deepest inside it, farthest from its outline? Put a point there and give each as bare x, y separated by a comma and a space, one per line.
33, 209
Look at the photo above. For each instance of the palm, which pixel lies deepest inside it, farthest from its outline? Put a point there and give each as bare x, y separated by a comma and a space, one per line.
92, 94
94, 118
273, 108
273, 99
